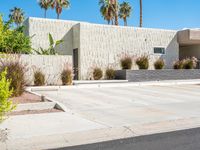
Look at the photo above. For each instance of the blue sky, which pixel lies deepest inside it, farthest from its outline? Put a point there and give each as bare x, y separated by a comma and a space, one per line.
167, 14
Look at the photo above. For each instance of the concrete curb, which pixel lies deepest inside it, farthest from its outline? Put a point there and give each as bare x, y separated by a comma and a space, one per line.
58, 105
92, 85
35, 106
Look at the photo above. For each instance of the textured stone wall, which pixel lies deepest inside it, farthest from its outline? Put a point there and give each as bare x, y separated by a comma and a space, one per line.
103, 46
59, 29
51, 66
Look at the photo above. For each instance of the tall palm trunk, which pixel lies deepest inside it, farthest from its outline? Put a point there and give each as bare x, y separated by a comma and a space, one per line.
116, 13
141, 13
58, 16
125, 22
45, 13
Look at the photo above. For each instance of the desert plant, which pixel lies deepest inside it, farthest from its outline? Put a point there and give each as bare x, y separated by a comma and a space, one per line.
51, 50
6, 92
16, 74
39, 78
126, 62
110, 73
143, 62
97, 73
159, 64
178, 64
190, 63
66, 76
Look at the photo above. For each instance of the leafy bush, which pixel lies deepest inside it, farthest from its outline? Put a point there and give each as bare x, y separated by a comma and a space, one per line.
110, 73
6, 105
16, 74
178, 64
159, 64
97, 73
126, 62
66, 77
190, 63
13, 40
39, 78
143, 62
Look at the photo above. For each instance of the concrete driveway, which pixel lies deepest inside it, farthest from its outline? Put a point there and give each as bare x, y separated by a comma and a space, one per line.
131, 105
148, 116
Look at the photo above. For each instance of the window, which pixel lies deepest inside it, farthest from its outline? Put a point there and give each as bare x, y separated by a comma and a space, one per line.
159, 50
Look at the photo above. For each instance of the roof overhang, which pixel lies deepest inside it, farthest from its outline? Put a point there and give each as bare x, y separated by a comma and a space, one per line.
189, 37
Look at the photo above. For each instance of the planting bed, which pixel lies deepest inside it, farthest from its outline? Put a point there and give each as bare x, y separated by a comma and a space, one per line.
29, 103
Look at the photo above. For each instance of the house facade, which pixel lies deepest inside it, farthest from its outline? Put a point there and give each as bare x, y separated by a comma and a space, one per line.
93, 45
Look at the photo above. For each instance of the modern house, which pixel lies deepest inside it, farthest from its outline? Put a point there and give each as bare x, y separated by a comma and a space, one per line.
93, 45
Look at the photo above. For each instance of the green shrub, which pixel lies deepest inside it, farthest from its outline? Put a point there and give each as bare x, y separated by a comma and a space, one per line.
178, 64
16, 74
159, 64
66, 77
143, 62
97, 73
6, 92
13, 40
110, 74
126, 62
39, 78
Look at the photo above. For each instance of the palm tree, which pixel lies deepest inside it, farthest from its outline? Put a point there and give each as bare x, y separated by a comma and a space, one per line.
59, 5
17, 15
106, 10
45, 4
125, 11
140, 13
115, 6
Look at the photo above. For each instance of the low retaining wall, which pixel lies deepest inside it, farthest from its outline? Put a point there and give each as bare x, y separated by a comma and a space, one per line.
157, 75
50, 65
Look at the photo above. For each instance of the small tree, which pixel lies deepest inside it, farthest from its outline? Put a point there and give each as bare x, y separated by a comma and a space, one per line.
6, 105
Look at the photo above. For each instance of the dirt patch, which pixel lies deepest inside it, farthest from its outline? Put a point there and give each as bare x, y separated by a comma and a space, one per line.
26, 112
26, 97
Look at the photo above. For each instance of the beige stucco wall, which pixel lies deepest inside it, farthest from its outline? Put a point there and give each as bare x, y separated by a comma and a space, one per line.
103, 46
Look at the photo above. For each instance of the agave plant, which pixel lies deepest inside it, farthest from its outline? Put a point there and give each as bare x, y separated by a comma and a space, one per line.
51, 50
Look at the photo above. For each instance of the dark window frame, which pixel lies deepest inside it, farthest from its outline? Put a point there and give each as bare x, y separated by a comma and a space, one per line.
160, 50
